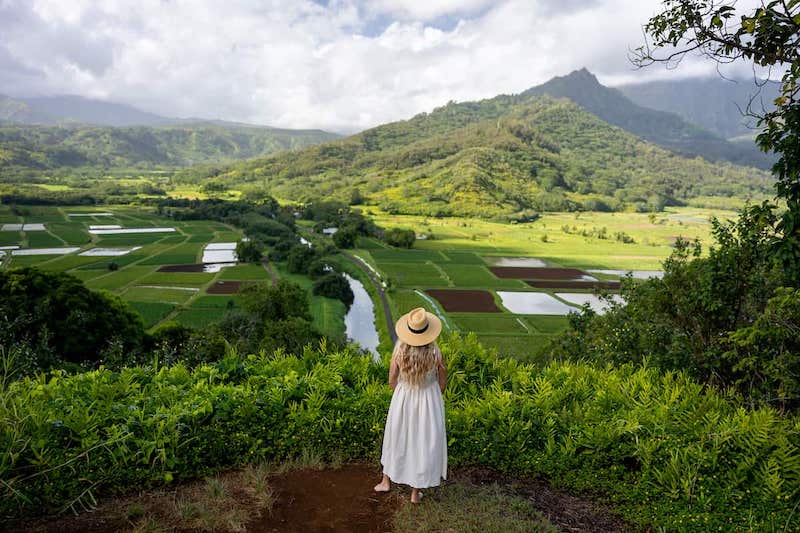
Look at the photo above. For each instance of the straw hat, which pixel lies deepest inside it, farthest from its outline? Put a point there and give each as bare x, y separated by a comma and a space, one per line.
418, 327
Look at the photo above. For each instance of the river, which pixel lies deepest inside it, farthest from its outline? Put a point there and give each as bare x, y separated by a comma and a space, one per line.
360, 319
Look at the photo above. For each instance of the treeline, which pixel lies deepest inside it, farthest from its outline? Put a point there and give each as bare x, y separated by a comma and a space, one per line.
507, 158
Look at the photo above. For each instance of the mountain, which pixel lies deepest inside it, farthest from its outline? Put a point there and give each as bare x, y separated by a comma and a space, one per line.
51, 110
506, 158
665, 129
17, 111
715, 104
31, 148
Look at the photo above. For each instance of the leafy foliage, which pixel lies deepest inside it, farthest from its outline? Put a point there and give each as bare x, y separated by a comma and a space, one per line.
668, 452
55, 319
399, 237
334, 285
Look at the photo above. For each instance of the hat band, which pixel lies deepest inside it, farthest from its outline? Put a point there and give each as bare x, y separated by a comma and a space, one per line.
417, 331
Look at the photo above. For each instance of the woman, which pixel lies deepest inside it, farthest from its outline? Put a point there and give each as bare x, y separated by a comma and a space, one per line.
414, 441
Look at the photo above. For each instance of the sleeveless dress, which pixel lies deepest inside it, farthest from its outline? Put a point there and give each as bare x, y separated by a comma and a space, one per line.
414, 440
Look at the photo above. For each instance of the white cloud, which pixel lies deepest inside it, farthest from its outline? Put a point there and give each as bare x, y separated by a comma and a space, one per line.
346, 65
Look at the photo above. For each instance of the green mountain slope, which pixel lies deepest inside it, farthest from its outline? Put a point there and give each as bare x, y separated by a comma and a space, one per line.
24, 148
505, 157
665, 129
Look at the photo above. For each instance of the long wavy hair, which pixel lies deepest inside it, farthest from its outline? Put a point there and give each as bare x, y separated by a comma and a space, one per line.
415, 362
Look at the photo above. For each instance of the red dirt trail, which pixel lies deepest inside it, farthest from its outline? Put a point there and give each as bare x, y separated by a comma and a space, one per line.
329, 501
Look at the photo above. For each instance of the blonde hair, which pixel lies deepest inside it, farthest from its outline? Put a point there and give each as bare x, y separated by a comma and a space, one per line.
415, 361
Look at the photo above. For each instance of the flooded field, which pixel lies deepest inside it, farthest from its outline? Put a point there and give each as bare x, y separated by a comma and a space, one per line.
533, 303
517, 262
596, 304
108, 252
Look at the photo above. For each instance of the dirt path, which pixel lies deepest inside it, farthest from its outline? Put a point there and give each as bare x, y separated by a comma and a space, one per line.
329, 501
387, 312
272, 276
312, 500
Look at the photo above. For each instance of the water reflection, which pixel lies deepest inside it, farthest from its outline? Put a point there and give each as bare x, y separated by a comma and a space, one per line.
360, 319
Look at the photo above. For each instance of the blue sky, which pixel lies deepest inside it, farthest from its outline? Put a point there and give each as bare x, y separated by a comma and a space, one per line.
341, 65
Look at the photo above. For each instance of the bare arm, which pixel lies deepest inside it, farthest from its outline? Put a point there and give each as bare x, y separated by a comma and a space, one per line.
441, 372
394, 373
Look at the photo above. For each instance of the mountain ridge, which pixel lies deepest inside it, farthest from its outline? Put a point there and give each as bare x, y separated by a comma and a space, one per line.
504, 157
663, 128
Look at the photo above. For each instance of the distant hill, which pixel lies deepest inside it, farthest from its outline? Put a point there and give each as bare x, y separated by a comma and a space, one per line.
506, 157
40, 148
716, 104
665, 129
52, 110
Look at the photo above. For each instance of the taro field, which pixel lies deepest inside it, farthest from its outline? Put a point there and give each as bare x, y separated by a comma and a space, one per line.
154, 263
514, 285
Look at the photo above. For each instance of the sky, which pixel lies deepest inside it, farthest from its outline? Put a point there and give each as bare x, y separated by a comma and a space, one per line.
339, 65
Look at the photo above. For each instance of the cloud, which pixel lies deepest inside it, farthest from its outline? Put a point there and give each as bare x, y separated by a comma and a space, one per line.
342, 64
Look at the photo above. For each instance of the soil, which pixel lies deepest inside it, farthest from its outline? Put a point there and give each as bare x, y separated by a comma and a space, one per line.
181, 268
567, 284
537, 273
225, 287
465, 301
334, 501
329, 501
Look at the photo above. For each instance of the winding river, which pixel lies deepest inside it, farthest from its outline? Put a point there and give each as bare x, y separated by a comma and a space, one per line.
360, 319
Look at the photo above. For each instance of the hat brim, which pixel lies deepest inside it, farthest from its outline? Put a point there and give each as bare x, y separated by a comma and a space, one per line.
418, 339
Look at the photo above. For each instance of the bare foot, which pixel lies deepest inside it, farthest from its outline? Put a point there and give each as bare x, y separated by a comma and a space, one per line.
384, 486
416, 496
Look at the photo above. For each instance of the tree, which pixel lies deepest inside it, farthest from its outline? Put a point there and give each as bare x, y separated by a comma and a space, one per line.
768, 36
61, 320
401, 238
299, 259
248, 251
345, 238
334, 285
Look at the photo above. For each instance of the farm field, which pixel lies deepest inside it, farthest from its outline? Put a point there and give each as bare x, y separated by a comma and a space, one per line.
512, 284
128, 264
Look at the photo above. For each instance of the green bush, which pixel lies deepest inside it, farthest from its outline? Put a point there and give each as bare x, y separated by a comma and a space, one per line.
668, 452
401, 238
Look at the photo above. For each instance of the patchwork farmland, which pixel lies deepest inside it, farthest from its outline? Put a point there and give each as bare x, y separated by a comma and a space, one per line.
514, 285
154, 263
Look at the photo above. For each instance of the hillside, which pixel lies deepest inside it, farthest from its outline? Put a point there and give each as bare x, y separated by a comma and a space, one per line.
665, 129
26, 148
505, 157
715, 104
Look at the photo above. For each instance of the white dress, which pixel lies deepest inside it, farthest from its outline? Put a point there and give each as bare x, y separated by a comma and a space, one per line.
414, 441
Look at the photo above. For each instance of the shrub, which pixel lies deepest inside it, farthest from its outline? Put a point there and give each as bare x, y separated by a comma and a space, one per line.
670, 453
401, 238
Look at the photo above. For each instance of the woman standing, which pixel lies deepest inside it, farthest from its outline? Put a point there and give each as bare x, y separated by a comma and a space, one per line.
414, 441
